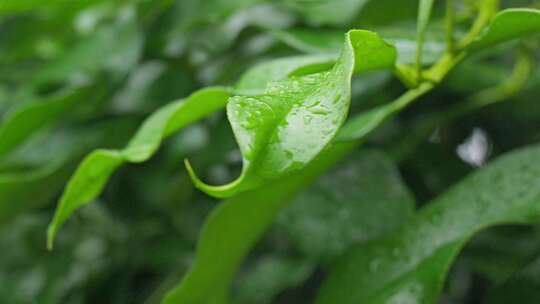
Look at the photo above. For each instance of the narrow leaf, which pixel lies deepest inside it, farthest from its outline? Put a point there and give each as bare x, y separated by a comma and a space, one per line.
93, 173
410, 265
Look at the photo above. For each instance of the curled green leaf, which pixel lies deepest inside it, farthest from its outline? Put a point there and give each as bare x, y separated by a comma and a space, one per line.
92, 174
282, 130
410, 264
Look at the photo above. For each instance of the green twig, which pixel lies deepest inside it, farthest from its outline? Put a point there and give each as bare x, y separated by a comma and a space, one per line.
450, 20
487, 9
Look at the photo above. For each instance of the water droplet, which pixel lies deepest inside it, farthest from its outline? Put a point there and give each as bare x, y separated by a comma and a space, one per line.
288, 154
308, 119
337, 98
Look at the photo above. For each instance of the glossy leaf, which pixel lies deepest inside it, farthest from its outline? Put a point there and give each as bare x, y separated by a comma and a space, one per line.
357, 201
282, 130
507, 25
411, 264
255, 80
92, 174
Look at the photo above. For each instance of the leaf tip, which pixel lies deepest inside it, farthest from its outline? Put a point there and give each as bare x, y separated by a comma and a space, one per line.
221, 192
51, 233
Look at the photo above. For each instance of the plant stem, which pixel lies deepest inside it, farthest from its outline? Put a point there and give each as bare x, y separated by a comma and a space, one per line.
487, 9
501, 92
450, 19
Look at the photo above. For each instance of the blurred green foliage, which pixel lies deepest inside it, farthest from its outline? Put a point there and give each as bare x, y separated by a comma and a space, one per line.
76, 76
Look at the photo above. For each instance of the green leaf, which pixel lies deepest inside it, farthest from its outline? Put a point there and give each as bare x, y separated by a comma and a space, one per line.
312, 41
92, 174
234, 227
507, 25
357, 201
410, 265
22, 122
332, 12
329, 42
282, 130
255, 80
21, 6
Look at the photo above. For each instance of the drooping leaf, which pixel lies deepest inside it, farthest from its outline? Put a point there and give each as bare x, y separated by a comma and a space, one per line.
357, 201
282, 130
92, 174
507, 25
22, 122
34, 175
234, 227
411, 264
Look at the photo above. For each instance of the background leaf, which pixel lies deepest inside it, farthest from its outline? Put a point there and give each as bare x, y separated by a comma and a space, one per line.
404, 266
359, 200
